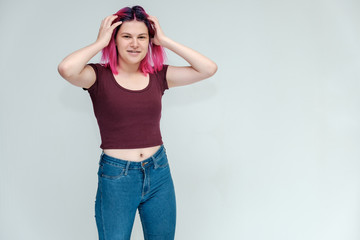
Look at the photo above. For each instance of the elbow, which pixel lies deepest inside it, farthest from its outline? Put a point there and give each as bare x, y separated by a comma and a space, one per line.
212, 69
63, 70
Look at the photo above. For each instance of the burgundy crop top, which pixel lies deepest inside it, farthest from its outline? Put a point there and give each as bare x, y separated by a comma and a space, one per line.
127, 118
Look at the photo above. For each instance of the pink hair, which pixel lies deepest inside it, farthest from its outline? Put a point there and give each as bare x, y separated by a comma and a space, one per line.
155, 57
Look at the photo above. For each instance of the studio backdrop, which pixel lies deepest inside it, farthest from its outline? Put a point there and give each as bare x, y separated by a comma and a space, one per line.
266, 149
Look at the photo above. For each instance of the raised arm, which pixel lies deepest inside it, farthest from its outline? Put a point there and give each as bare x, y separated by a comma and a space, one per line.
200, 67
73, 68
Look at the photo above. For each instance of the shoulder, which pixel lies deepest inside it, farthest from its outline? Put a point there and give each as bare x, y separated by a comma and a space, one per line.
100, 72
160, 73
160, 76
98, 67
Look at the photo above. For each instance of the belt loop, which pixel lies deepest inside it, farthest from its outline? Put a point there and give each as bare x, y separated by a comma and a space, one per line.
127, 167
101, 156
155, 162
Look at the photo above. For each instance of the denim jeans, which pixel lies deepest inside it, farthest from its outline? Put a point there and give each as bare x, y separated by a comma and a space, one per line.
125, 186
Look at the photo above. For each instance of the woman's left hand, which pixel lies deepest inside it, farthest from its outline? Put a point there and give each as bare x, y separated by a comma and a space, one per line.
201, 66
159, 34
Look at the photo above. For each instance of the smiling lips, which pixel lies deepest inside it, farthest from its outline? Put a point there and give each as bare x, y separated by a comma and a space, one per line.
133, 51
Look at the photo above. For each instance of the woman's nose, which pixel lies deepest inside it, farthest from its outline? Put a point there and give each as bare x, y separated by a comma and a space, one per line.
134, 42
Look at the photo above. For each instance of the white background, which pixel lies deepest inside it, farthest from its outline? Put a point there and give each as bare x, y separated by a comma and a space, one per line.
268, 148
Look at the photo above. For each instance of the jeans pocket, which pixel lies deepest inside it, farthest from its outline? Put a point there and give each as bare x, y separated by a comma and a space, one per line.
162, 162
110, 171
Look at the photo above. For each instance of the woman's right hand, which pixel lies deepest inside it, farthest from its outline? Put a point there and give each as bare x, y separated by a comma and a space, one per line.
106, 29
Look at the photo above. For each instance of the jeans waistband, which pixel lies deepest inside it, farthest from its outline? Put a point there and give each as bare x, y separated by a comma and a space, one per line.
131, 164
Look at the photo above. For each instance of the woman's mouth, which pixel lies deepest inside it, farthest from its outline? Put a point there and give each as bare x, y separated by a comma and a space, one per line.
133, 51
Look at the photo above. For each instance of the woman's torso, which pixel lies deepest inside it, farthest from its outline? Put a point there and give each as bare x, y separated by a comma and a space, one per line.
139, 154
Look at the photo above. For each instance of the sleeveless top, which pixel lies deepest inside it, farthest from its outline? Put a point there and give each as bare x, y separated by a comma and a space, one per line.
127, 118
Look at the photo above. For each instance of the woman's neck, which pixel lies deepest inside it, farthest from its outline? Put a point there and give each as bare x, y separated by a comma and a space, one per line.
128, 68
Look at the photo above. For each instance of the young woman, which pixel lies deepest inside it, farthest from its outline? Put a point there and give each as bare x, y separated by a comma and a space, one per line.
126, 93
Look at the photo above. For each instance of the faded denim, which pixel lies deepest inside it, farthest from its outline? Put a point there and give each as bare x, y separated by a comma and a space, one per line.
125, 186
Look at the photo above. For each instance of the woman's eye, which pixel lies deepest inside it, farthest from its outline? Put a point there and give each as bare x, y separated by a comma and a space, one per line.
126, 36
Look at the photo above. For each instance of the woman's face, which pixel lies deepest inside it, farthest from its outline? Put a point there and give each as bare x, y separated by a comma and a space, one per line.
132, 42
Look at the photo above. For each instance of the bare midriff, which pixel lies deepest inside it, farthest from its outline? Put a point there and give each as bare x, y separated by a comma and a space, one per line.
135, 155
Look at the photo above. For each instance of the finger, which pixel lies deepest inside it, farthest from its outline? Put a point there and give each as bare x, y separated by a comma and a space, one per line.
109, 19
153, 19
115, 25
104, 22
154, 22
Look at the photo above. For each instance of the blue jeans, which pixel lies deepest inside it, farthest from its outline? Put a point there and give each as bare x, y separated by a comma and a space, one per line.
125, 186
